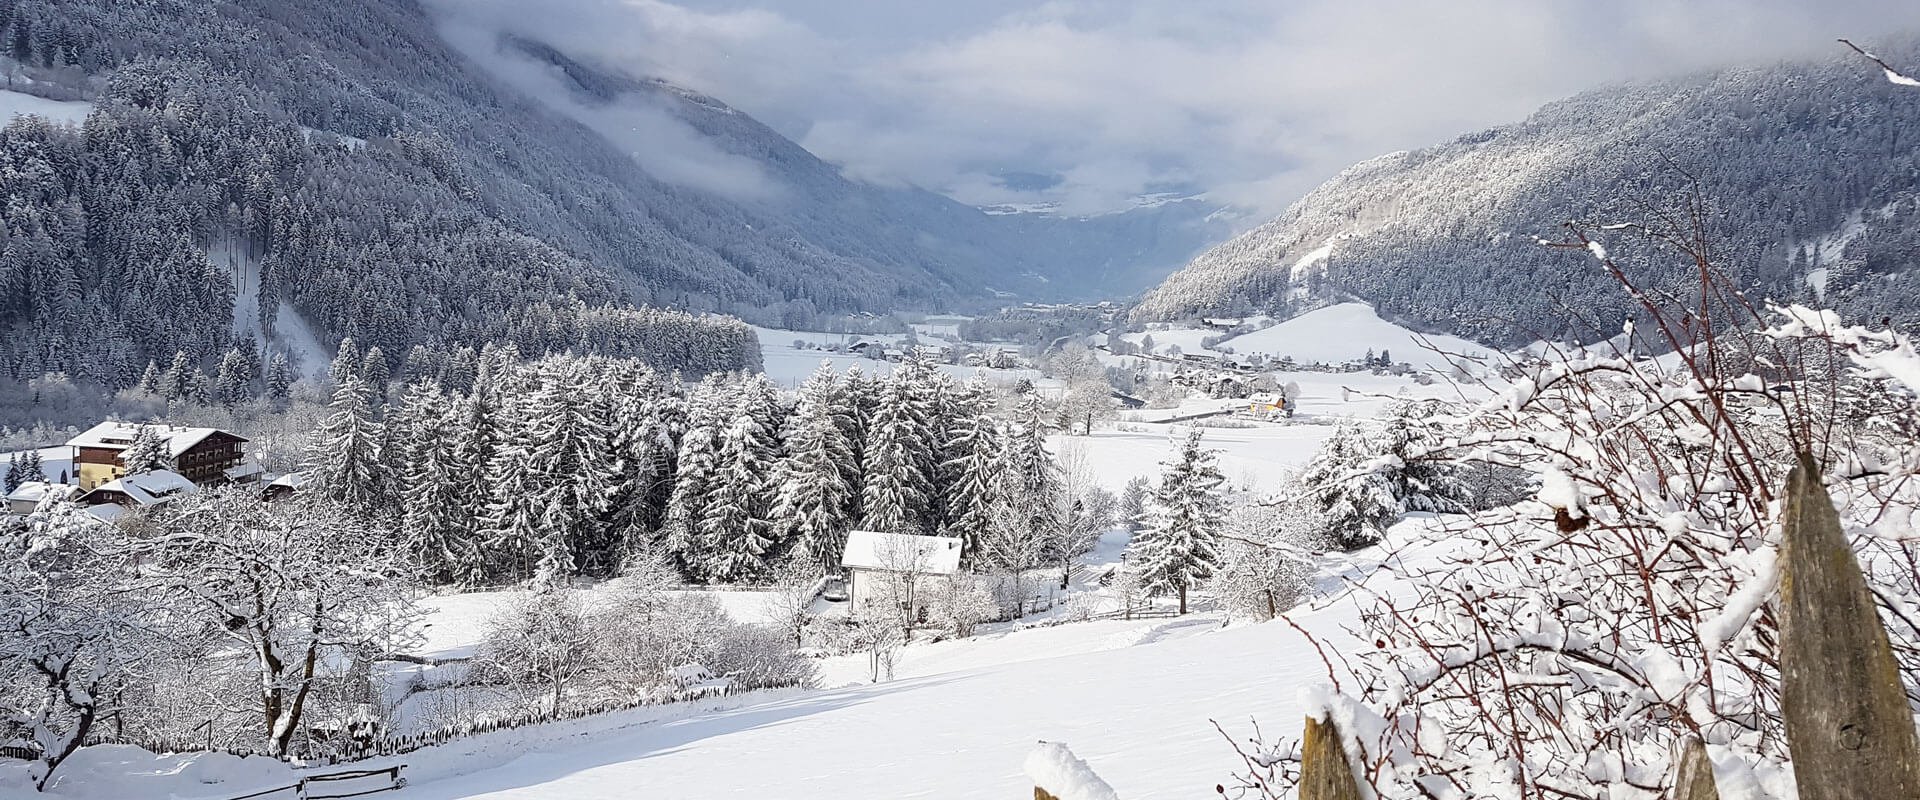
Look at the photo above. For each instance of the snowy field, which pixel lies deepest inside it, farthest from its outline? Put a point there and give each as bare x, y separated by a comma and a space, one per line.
788, 366
1333, 335
1133, 699
15, 104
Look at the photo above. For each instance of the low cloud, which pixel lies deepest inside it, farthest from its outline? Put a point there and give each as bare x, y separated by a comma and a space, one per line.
1254, 102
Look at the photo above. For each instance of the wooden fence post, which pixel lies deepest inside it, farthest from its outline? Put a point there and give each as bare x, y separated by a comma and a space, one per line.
1325, 773
1693, 779
1848, 724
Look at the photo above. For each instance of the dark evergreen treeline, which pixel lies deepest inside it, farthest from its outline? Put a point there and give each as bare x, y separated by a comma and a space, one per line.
103, 268
498, 470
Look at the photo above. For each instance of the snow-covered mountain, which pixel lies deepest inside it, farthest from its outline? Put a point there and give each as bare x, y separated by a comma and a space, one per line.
388, 176
1809, 171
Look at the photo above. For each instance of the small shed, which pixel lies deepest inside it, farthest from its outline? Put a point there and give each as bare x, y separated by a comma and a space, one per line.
140, 490
27, 498
897, 569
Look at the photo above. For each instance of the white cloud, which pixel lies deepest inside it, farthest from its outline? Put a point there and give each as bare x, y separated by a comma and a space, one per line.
1254, 101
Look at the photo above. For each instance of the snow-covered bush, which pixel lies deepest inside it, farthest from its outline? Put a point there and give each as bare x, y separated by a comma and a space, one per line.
1266, 557
961, 602
537, 649
757, 657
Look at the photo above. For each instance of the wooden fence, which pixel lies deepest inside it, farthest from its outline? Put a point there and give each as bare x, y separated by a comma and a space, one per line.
334, 785
1849, 726
1848, 723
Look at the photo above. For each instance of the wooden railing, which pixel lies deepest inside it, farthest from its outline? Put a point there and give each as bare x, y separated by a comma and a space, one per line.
322, 787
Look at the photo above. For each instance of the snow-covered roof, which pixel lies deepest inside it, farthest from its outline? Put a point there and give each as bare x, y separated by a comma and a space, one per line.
902, 552
117, 435
31, 492
149, 488
291, 480
245, 469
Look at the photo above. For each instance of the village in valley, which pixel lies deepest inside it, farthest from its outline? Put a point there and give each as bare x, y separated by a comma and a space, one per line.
590, 400
888, 605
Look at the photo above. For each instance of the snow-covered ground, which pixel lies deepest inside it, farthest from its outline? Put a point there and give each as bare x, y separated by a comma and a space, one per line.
15, 104
1333, 335
291, 333
1134, 699
54, 462
788, 366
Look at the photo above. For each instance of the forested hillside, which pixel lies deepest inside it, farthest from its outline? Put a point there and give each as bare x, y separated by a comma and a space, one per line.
349, 165
1808, 173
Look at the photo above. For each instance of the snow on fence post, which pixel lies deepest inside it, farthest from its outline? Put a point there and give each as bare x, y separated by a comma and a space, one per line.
1848, 724
1325, 773
1058, 774
1693, 778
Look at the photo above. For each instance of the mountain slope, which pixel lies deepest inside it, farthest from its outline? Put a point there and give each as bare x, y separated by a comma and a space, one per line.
400, 185
1788, 157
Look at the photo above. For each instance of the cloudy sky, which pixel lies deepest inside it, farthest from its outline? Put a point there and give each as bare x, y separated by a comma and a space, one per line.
1088, 103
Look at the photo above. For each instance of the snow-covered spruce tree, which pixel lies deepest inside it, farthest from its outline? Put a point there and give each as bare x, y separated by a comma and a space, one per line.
345, 461
1032, 477
812, 481
146, 453
1133, 501
74, 625
895, 496
1348, 486
31, 468
279, 378
436, 517
1408, 431
292, 584
1568, 643
977, 498
698, 468
735, 525
233, 384
1178, 546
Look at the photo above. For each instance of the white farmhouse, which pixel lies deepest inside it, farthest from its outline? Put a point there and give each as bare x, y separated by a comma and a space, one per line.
897, 570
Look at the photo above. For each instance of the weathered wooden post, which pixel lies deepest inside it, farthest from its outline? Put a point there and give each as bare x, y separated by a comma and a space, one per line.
1848, 724
1693, 779
1325, 773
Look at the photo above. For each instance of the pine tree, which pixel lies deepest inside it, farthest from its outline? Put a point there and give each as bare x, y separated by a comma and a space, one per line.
30, 467
1355, 501
434, 515
894, 498
1034, 476
346, 362
14, 476
279, 377
736, 521
682, 532
376, 373
1177, 549
977, 501
813, 481
234, 383
150, 379
345, 462
175, 382
146, 453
